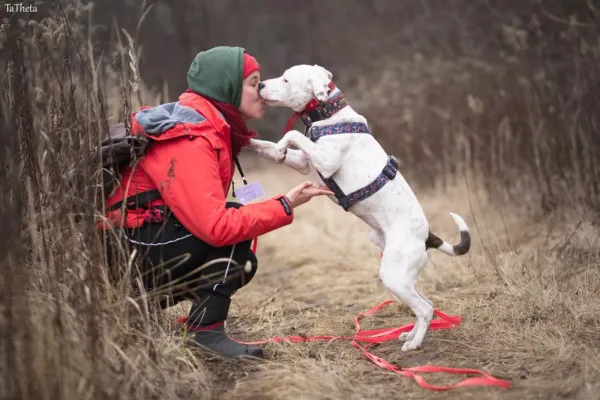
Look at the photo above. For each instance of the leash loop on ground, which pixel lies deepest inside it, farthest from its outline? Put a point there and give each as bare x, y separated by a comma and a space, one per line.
375, 336
444, 322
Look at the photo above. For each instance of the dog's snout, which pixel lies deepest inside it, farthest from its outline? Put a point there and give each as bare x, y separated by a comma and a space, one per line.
260, 86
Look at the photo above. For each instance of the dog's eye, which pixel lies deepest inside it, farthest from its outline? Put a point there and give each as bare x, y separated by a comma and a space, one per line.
285, 81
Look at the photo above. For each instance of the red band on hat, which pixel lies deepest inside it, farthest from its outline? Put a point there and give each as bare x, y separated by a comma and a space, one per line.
250, 65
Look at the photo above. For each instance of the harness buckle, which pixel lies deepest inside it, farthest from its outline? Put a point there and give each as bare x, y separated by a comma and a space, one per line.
316, 115
390, 168
394, 162
306, 119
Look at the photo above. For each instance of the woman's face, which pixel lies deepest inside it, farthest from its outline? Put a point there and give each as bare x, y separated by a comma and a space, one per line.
252, 106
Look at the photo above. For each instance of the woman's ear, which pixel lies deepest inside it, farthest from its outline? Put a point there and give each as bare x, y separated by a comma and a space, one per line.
320, 79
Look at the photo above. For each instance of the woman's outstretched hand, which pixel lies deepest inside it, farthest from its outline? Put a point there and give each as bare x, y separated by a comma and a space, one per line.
306, 191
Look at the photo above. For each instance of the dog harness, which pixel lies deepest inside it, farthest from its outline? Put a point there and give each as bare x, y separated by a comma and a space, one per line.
318, 111
388, 173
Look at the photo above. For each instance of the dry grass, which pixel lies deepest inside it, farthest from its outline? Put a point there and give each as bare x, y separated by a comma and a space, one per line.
530, 314
527, 294
527, 291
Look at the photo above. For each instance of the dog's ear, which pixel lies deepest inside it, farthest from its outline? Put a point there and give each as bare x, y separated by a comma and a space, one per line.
320, 83
329, 74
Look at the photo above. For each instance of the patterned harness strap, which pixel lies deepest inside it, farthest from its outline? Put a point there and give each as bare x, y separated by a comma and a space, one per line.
388, 173
316, 132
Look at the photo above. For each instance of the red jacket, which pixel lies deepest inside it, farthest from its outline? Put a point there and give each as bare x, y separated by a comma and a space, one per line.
190, 163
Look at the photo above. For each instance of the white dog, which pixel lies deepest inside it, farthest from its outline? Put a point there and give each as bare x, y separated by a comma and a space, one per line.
367, 183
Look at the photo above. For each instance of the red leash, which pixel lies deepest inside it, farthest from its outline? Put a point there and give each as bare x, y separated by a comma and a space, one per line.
291, 122
374, 336
386, 334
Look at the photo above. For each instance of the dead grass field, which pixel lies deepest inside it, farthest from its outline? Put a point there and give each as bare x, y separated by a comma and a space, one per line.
527, 292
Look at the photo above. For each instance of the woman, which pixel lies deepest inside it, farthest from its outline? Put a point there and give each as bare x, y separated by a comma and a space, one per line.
180, 219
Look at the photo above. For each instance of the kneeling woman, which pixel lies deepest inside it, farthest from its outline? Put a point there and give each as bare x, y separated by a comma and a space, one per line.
193, 243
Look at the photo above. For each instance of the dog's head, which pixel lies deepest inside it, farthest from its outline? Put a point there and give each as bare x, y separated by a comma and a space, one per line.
297, 87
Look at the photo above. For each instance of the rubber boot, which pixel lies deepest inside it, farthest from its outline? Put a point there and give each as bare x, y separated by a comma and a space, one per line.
206, 323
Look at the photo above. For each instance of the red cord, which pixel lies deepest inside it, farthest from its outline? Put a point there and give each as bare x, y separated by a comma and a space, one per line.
374, 336
254, 245
386, 334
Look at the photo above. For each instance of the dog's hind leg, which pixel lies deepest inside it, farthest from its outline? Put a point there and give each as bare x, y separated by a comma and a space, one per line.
425, 298
377, 238
399, 271
406, 336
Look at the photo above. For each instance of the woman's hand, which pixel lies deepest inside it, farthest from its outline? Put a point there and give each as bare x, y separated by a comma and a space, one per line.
306, 191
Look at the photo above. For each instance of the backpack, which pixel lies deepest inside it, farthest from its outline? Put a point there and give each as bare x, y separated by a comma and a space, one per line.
120, 149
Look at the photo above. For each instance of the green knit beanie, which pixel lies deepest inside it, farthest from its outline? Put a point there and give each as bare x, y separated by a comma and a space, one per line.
218, 73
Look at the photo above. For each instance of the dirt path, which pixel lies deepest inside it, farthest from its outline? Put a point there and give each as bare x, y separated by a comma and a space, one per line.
529, 316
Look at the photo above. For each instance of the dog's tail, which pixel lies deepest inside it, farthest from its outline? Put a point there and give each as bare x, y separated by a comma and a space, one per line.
459, 249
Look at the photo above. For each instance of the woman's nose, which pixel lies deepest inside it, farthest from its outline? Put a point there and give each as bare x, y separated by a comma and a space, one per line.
260, 86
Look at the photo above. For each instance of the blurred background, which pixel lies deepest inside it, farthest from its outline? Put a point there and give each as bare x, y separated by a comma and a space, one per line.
506, 88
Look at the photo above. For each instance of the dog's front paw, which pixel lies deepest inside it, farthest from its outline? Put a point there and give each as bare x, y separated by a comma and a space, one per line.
280, 154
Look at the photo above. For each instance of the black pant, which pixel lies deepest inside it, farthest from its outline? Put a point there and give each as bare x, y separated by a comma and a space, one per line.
173, 262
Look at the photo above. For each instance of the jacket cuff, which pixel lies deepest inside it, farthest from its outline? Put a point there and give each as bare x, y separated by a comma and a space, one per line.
285, 203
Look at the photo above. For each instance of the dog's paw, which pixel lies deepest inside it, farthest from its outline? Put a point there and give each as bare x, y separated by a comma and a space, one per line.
411, 345
406, 336
280, 154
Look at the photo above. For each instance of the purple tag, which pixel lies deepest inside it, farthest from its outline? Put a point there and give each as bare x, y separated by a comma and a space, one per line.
249, 192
